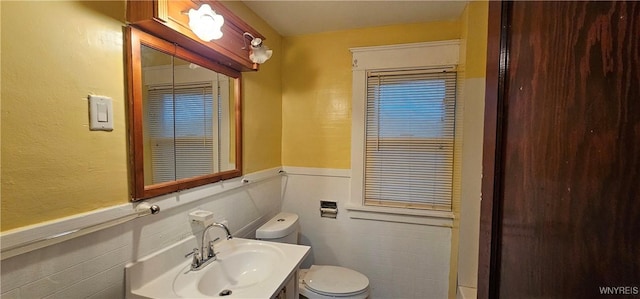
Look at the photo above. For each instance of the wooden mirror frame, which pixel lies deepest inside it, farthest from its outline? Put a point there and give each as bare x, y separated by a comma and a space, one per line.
134, 39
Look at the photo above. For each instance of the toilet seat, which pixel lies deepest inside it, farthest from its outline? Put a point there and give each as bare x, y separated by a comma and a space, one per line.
333, 281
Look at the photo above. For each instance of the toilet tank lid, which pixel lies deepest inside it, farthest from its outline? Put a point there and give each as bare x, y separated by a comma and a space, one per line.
278, 227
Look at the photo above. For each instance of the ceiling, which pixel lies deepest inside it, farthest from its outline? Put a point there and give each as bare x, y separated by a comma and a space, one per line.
298, 17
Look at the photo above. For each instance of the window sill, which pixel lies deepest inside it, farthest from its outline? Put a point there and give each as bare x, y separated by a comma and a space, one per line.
412, 216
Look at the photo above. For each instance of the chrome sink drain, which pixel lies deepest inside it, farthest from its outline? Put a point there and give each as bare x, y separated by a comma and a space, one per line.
225, 293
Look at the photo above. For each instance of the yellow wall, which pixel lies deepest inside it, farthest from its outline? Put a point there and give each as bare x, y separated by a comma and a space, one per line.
475, 27
262, 105
316, 93
297, 108
52, 165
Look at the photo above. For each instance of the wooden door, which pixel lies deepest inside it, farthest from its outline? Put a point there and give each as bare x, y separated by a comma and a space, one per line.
561, 179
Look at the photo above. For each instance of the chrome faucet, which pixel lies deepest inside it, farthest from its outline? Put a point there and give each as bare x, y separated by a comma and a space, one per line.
226, 229
200, 260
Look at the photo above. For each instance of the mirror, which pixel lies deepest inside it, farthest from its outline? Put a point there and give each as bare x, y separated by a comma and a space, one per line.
184, 117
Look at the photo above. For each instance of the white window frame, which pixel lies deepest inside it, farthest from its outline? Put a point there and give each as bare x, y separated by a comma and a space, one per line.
441, 54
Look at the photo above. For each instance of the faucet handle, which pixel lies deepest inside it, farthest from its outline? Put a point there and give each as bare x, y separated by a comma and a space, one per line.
210, 252
195, 262
195, 251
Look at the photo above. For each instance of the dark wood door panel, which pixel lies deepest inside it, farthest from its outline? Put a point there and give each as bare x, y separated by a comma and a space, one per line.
570, 180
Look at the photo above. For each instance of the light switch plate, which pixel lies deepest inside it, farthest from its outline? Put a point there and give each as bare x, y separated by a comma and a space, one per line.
100, 113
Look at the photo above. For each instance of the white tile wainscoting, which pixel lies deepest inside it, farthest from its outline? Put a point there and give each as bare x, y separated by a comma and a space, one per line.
401, 260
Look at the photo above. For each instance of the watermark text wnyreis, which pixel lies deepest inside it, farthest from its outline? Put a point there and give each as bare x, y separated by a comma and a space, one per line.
619, 290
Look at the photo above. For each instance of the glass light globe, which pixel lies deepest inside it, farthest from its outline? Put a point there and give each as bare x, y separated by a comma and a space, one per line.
205, 23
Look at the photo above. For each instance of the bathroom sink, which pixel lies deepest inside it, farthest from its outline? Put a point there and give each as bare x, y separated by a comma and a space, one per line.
244, 268
239, 270
239, 265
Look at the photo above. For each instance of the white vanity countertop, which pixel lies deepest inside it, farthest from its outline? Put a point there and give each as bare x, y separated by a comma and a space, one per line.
167, 273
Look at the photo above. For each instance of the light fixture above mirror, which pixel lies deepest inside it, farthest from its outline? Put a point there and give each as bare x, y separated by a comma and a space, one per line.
206, 23
259, 53
197, 32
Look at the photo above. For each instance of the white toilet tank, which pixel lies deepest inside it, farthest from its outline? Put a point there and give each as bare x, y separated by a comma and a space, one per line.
281, 228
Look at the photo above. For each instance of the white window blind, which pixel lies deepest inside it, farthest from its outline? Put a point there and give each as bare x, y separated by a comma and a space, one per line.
409, 139
183, 130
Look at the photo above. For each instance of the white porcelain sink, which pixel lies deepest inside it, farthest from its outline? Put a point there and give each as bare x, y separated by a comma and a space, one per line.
239, 265
244, 268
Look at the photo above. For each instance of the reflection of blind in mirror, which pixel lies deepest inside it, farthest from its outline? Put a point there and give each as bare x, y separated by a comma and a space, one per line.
183, 129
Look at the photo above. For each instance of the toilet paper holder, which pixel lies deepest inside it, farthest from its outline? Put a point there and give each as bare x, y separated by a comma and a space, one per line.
328, 209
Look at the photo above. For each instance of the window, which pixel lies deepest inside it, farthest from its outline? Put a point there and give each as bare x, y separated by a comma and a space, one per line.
409, 139
183, 129
404, 157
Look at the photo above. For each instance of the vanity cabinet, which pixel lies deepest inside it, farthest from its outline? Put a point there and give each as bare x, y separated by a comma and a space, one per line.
290, 288
168, 19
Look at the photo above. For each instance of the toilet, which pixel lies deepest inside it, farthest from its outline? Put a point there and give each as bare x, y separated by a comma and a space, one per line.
317, 282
